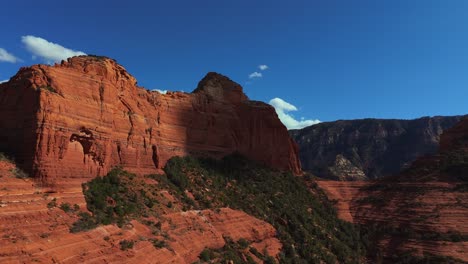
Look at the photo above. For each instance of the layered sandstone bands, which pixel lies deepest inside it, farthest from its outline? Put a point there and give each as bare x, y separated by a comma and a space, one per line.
83, 117
35, 233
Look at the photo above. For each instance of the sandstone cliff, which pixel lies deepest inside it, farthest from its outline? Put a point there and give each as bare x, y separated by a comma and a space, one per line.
86, 115
368, 148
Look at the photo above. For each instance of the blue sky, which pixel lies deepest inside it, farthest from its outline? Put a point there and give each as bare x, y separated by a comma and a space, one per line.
326, 60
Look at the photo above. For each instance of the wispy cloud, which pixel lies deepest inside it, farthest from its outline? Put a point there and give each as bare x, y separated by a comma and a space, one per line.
160, 91
258, 74
7, 57
48, 51
4, 81
255, 75
283, 108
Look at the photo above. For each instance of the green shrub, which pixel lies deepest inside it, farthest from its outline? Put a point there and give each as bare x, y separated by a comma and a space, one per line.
52, 203
206, 255
66, 207
159, 243
4, 157
243, 243
86, 222
19, 173
48, 88
126, 244
44, 235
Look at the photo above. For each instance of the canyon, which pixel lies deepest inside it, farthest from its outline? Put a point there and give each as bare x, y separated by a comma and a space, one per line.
368, 148
421, 211
100, 170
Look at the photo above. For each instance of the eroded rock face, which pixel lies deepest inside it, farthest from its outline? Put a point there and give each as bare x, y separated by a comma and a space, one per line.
83, 117
376, 147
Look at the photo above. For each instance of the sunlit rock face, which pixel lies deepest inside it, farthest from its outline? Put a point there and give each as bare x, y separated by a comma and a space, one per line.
80, 118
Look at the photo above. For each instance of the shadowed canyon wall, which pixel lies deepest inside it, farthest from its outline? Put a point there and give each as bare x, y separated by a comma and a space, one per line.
422, 210
368, 148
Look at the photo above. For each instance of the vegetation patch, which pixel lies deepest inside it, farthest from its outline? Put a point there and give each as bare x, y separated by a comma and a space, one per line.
19, 173
52, 203
234, 252
84, 223
66, 207
126, 244
114, 198
306, 221
48, 88
5, 157
119, 197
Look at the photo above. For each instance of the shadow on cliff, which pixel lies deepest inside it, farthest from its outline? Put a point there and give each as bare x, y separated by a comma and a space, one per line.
19, 105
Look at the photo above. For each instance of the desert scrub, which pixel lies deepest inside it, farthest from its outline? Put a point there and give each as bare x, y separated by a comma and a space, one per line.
233, 252
306, 222
66, 207
48, 88
52, 203
84, 223
19, 173
126, 244
118, 197
4, 157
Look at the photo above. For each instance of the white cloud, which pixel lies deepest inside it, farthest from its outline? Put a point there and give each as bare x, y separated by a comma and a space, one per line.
7, 57
4, 81
282, 108
254, 75
263, 67
50, 52
160, 91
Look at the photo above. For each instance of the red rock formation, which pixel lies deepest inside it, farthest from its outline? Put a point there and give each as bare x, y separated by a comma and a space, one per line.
87, 115
31, 232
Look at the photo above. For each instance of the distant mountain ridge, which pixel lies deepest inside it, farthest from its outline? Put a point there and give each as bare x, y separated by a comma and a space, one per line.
368, 148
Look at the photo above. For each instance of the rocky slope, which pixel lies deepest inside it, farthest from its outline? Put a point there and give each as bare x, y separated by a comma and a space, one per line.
36, 229
423, 210
368, 148
80, 118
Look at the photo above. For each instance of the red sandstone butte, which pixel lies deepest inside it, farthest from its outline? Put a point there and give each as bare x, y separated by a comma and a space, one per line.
80, 118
